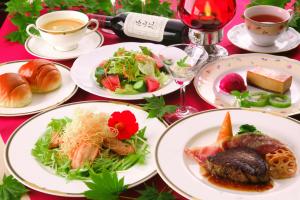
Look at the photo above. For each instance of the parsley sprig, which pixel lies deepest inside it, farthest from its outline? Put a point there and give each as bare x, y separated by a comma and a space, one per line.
248, 128
11, 189
156, 107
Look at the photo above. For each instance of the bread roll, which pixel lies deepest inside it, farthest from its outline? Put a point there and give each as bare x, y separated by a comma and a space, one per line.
42, 75
14, 91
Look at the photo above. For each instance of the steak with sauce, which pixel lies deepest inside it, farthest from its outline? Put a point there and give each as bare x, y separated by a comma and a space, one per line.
241, 164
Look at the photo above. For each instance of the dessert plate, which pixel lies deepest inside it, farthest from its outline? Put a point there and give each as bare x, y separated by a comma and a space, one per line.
182, 174
238, 36
208, 79
84, 67
40, 102
22, 164
40, 48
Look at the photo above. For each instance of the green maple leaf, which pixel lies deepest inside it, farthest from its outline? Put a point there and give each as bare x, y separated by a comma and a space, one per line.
11, 189
151, 193
156, 107
105, 186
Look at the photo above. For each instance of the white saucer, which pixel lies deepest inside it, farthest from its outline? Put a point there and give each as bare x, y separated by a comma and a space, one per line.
40, 48
238, 36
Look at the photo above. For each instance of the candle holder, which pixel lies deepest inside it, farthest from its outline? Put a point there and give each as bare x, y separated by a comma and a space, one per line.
209, 41
206, 19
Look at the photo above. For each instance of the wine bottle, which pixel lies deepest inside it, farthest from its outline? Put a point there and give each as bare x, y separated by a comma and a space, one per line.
145, 27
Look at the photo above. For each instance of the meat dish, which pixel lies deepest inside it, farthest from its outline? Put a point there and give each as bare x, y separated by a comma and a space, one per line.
247, 158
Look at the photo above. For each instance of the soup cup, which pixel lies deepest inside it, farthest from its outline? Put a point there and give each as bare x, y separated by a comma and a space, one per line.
265, 33
63, 40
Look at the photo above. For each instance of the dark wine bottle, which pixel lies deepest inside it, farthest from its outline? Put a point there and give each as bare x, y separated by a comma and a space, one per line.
146, 27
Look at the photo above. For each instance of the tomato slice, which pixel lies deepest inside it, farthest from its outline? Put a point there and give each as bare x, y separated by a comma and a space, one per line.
111, 82
152, 84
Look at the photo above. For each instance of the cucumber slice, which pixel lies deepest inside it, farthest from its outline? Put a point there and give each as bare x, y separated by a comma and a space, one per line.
140, 86
280, 100
258, 99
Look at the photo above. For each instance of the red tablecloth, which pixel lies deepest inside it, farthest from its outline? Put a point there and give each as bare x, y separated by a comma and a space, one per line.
10, 51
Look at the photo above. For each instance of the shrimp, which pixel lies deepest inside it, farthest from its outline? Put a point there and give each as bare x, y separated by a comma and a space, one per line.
118, 146
85, 152
55, 140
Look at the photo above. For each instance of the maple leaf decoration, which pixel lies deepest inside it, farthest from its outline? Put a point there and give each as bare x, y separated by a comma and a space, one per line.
125, 123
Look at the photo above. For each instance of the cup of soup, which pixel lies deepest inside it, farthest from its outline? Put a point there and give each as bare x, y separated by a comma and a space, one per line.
63, 29
266, 23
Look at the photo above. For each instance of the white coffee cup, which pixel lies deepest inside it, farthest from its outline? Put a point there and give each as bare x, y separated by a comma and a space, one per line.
265, 33
63, 40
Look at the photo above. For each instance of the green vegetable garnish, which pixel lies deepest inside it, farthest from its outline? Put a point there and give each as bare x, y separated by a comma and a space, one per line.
146, 51
11, 189
247, 128
261, 99
182, 62
280, 101
156, 107
257, 99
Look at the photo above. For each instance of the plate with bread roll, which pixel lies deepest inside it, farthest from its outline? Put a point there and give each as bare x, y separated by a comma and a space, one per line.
31, 86
234, 154
255, 81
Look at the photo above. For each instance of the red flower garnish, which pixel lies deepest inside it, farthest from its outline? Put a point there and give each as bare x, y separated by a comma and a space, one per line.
125, 122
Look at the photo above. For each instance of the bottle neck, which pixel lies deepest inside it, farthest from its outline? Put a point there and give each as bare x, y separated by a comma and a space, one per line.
104, 21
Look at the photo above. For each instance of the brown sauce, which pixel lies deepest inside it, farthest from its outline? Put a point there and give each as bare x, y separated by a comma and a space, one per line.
233, 185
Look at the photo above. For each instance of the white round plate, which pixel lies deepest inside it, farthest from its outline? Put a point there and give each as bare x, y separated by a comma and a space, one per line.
182, 173
40, 48
40, 102
84, 67
28, 171
238, 36
208, 79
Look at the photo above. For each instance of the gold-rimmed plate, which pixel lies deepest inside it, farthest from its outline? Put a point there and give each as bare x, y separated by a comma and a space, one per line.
40, 102
208, 79
183, 174
22, 164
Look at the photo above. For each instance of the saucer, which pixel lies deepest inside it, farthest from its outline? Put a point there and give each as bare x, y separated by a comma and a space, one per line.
238, 36
40, 48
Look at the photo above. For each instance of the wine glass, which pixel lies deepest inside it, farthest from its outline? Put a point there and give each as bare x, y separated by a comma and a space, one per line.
206, 19
182, 61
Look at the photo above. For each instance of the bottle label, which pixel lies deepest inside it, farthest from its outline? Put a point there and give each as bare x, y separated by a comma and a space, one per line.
144, 26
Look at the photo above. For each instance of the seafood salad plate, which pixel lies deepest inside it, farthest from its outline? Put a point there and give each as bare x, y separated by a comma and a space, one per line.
232, 154
67, 144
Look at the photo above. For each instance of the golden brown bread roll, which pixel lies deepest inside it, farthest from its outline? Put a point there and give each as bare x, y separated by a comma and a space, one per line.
42, 75
14, 91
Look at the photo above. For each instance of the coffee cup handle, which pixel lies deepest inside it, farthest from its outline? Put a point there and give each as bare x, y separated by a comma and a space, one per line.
95, 28
31, 34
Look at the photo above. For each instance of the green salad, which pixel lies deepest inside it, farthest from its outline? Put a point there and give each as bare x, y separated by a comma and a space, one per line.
132, 72
91, 144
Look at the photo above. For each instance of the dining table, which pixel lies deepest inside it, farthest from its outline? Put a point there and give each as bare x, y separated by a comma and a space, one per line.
12, 51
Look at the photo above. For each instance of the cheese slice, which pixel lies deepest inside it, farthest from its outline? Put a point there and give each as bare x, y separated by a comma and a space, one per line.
269, 79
